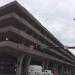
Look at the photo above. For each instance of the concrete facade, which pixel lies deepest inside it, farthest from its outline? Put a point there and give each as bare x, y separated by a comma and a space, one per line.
20, 37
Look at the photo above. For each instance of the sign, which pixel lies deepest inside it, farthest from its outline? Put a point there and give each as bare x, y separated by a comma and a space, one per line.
44, 46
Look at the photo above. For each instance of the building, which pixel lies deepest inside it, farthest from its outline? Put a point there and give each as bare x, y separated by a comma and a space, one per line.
24, 41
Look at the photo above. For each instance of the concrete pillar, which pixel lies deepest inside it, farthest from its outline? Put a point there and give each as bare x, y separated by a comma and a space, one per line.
74, 70
70, 72
67, 70
19, 65
55, 66
45, 65
61, 70
27, 63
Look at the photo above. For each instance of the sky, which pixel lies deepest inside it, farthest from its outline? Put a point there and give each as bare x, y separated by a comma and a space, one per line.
55, 15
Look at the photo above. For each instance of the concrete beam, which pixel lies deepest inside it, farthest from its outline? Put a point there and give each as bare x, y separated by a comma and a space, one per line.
20, 19
25, 35
22, 48
28, 25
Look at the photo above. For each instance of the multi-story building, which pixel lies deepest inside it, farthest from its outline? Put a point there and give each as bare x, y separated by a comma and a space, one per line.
24, 41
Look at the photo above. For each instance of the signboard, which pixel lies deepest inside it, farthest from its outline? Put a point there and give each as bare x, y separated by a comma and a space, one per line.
44, 46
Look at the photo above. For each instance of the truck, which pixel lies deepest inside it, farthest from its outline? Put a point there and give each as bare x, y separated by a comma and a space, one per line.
37, 70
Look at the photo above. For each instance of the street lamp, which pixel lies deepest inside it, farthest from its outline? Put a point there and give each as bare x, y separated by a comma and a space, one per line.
74, 19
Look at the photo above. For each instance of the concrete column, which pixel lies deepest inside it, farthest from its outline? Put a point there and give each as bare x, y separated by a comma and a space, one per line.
56, 69
19, 65
27, 63
45, 65
68, 71
61, 69
74, 70
55, 66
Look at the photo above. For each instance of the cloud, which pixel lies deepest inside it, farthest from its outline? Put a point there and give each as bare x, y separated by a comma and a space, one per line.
3, 2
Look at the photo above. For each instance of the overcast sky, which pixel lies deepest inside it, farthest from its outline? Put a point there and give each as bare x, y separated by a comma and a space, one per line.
56, 15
